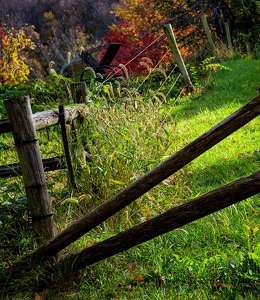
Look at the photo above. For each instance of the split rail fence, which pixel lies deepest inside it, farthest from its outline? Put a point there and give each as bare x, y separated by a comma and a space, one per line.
23, 125
173, 218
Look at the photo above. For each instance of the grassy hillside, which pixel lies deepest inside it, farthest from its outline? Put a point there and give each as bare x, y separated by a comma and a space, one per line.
237, 155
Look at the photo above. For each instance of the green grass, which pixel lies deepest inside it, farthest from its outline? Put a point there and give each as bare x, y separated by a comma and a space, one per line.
217, 257
237, 155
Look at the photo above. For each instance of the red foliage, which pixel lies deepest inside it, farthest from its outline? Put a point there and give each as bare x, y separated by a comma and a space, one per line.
2, 34
138, 19
135, 45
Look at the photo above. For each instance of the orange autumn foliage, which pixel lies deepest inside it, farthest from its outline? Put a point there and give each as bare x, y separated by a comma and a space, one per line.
138, 30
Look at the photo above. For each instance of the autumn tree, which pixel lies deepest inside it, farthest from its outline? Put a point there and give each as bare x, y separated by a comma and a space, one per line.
139, 30
13, 67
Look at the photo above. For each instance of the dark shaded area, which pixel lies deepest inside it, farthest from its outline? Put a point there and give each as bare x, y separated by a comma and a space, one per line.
92, 16
242, 17
49, 164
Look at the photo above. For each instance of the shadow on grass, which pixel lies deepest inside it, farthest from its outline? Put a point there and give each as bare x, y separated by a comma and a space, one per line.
238, 85
224, 171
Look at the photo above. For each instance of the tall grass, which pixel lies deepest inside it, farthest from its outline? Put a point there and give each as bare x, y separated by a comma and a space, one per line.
127, 133
215, 257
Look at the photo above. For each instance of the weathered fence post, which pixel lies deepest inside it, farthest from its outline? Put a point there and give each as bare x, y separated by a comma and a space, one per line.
171, 38
79, 92
206, 27
228, 36
66, 146
27, 146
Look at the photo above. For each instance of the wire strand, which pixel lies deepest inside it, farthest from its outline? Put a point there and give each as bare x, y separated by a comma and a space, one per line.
110, 75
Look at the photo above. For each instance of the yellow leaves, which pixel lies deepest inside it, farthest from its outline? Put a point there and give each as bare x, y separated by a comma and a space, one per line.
13, 68
117, 182
70, 200
138, 13
253, 230
247, 226
49, 15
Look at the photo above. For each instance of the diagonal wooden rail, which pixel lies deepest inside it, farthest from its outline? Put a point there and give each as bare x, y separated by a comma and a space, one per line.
206, 141
172, 219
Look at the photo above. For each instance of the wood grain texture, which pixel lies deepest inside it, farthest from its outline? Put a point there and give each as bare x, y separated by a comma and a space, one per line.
49, 118
20, 116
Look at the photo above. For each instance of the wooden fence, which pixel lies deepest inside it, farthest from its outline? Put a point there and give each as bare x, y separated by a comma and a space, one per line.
173, 218
23, 125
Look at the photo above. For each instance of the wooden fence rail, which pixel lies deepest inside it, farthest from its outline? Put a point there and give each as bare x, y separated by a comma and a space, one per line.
23, 125
48, 118
151, 179
172, 219
49, 164
42, 120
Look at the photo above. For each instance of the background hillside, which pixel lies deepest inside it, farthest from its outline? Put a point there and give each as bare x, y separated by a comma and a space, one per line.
92, 16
